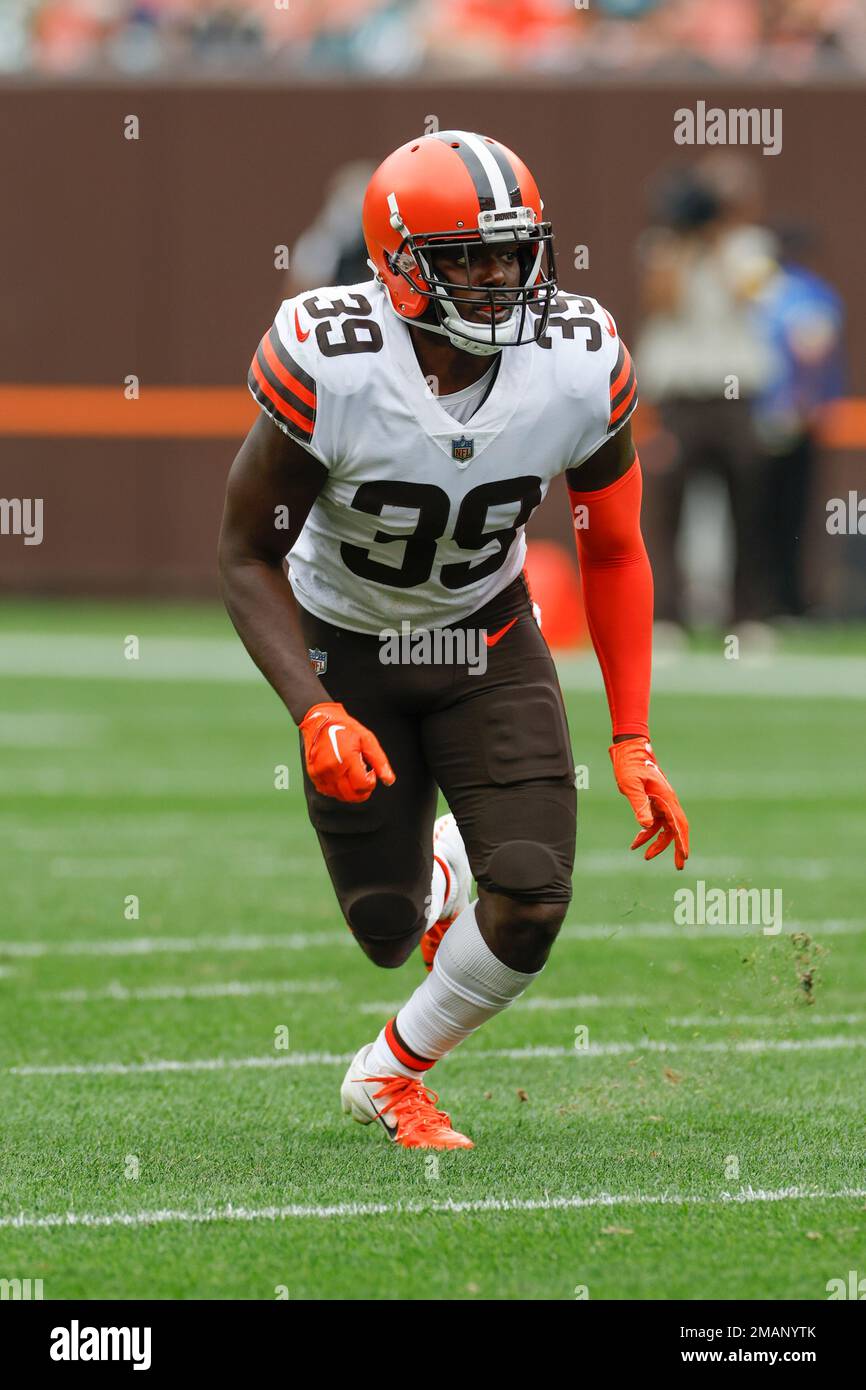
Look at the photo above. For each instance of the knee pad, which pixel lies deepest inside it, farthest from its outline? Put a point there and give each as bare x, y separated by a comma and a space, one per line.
528, 871
385, 916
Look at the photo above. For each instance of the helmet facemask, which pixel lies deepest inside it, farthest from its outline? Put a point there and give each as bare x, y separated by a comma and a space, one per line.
516, 314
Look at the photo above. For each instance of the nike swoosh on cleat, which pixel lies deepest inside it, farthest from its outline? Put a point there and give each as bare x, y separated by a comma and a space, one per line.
491, 641
302, 336
391, 1133
390, 1130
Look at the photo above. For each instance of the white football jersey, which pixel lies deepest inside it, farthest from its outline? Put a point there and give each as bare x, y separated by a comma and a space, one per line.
421, 518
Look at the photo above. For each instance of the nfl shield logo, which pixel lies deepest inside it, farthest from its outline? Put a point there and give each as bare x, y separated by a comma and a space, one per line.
462, 449
318, 660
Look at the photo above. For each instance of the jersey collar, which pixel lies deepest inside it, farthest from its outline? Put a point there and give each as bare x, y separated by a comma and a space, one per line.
486, 424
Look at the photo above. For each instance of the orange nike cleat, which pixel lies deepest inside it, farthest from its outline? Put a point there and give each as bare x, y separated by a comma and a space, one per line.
403, 1105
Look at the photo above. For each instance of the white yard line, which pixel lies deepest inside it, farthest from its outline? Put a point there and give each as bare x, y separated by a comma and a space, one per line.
289, 1059
775, 675
100, 778
82, 867
248, 989
736, 1045
603, 863
799, 1014
91, 656
229, 989
478, 1206
340, 936
517, 1054
50, 729
539, 1002
112, 868
176, 945
665, 931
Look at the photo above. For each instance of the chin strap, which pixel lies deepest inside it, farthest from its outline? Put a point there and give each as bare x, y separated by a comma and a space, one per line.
461, 340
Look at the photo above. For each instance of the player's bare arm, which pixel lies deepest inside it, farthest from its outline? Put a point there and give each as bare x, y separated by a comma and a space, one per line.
270, 473
607, 464
273, 476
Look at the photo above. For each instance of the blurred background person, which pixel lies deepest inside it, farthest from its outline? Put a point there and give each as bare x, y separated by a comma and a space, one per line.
331, 250
701, 363
802, 318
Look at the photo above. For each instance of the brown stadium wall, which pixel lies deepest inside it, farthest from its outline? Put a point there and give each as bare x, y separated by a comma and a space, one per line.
155, 257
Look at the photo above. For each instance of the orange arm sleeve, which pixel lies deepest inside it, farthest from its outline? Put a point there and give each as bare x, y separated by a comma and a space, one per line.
618, 595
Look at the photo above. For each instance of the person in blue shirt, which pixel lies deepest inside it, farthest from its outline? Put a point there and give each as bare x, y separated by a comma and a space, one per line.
802, 319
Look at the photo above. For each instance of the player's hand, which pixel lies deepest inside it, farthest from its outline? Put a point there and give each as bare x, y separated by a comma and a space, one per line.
344, 760
653, 799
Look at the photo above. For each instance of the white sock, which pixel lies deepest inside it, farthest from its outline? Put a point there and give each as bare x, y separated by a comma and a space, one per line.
466, 986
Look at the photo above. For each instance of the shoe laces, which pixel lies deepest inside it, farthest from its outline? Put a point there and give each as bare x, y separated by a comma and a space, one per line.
413, 1103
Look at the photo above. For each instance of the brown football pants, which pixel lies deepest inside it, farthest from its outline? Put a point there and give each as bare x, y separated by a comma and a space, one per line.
497, 745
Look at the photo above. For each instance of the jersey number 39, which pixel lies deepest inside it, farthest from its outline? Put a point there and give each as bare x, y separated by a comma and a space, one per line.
432, 506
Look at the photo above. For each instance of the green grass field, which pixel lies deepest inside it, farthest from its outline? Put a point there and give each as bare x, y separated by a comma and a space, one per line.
157, 1142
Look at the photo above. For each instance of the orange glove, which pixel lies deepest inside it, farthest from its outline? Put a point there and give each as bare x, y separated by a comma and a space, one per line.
652, 798
343, 758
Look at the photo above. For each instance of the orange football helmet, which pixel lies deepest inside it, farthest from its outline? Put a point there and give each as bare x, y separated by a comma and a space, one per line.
445, 193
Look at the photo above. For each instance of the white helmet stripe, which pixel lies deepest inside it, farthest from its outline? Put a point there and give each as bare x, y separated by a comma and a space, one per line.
492, 174
491, 169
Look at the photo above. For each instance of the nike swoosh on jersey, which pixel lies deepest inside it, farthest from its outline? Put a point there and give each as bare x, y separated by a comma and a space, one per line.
302, 336
611, 326
491, 641
332, 735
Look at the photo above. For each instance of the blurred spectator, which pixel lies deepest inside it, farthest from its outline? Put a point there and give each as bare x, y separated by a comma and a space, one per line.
702, 363
331, 251
792, 38
492, 36
802, 318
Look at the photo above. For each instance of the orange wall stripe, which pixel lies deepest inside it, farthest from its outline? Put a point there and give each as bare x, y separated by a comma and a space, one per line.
227, 412
842, 424
168, 412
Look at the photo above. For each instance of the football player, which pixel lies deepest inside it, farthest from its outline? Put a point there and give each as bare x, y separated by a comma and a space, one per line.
410, 426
